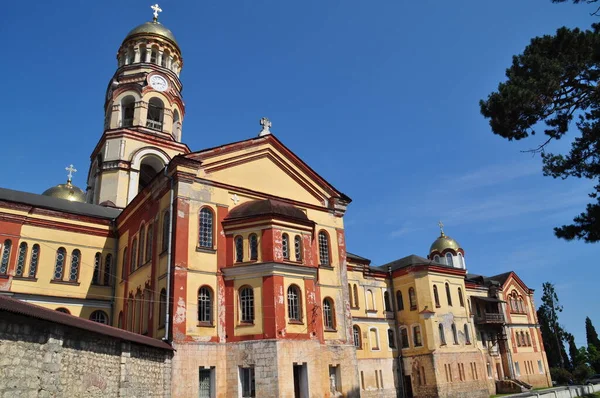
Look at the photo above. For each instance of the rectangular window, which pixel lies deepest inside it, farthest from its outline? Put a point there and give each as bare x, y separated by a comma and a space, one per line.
517, 369
207, 382
540, 367
404, 337
247, 382
335, 379
418, 342
489, 370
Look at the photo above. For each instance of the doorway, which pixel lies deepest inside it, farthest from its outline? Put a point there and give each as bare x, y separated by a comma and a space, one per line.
300, 381
408, 386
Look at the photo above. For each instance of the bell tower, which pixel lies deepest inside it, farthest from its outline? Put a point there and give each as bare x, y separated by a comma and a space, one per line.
144, 113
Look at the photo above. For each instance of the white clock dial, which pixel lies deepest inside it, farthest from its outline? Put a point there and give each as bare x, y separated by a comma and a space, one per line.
159, 83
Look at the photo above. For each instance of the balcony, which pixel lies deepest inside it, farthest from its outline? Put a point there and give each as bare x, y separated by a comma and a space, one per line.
489, 318
154, 125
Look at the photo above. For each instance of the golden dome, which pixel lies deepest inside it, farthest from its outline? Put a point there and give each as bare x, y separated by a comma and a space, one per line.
66, 191
442, 243
153, 28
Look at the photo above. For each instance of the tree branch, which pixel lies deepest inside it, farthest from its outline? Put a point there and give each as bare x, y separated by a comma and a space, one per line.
539, 148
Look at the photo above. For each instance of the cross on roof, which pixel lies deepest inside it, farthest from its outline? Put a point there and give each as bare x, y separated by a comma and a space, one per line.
156, 9
71, 170
441, 224
266, 126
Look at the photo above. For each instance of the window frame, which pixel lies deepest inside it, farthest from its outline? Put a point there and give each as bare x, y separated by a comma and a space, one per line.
404, 332
357, 337
298, 248
448, 294
442, 334
294, 307
324, 247
206, 228
253, 246
5, 257
416, 343
436, 296
34, 261
376, 346
162, 308
454, 334
205, 306
329, 307
21, 259
399, 301
391, 339
99, 313
60, 251
246, 305
97, 268
238, 245
285, 246
412, 298
107, 272
467, 334
461, 299
165, 230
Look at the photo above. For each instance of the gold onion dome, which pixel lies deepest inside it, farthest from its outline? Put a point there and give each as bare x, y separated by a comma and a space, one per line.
152, 28
66, 191
443, 242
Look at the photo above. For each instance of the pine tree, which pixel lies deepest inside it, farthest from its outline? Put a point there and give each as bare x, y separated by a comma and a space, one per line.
552, 333
590, 333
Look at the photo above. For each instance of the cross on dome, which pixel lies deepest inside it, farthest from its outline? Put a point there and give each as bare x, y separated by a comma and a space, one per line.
71, 170
441, 224
156, 9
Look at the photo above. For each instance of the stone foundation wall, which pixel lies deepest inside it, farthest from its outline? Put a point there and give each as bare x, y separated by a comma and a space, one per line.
471, 385
378, 377
44, 359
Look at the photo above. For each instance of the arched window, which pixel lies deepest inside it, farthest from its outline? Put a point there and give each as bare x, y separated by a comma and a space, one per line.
518, 339
285, 246
150, 166
298, 247
141, 252
357, 337
386, 301
442, 334
163, 60
162, 308
133, 262
399, 301
355, 288
127, 110
206, 228
448, 295
246, 304
120, 320
253, 240
149, 242
33, 262
63, 310
449, 260
138, 313
461, 300
130, 314
205, 305
108, 277
165, 230
97, 262
59, 265
417, 339
130, 56
324, 248
528, 339
391, 338
239, 249
454, 334
370, 300
5, 256
436, 258
100, 317
143, 53
21, 259
156, 110
521, 305
350, 299
404, 337
374, 337
145, 311
154, 55
176, 125
328, 314
436, 296
467, 334
461, 261
412, 298
294, 301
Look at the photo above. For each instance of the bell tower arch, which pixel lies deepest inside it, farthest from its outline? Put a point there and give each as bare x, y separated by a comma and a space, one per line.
144, 113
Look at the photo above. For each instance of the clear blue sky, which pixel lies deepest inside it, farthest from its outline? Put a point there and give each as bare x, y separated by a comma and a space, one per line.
380, 97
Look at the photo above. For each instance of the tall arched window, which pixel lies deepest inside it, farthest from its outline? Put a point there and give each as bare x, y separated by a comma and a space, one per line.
285, 246
149, 242
145, 311
442, 334
328, 314
436, 258
374, 338
205, 305
59, 265
386, 301
100, 317
324, 248
357, 337
162, 308
298, 247
355, 289
454, 334
461, 299
253, 241
21, 260
130, 314
137, 313
156, 110
176, 125
143, 53
412, 298
108, 270
163, 60
75, 262
350, 297
294, 301
127, 110
97, 263
142, 240
120, 320
391, 338
246, 304
467, 334
399, 301
436, 296
528, 339
133, 262
417, 338
370, 300
461, 261
206, 228
124, 264
33, 262
5, 256
404, 342
449, 260
165, 230
448, 295
239, 249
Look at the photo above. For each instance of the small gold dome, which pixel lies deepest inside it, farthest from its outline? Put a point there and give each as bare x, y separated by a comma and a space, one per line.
66, 191
442, 243
153, 28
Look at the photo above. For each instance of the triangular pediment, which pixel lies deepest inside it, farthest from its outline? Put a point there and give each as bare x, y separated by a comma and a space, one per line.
265, 166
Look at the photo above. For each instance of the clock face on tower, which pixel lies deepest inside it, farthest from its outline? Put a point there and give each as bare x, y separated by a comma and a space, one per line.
158, 83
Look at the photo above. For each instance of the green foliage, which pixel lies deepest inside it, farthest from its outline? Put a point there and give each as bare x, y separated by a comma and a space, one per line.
591, 335
552, 334
593, 358
582, 372
554, 81
561, 376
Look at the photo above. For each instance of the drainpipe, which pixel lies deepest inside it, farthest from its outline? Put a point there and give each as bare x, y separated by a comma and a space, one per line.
169, 248
113, 277
400, 392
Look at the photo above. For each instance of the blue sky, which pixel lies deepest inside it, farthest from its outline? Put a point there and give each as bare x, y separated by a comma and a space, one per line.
380, 97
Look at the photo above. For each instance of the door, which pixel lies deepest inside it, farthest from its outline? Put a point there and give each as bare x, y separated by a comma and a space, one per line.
300, 381
408, 386
205, 387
